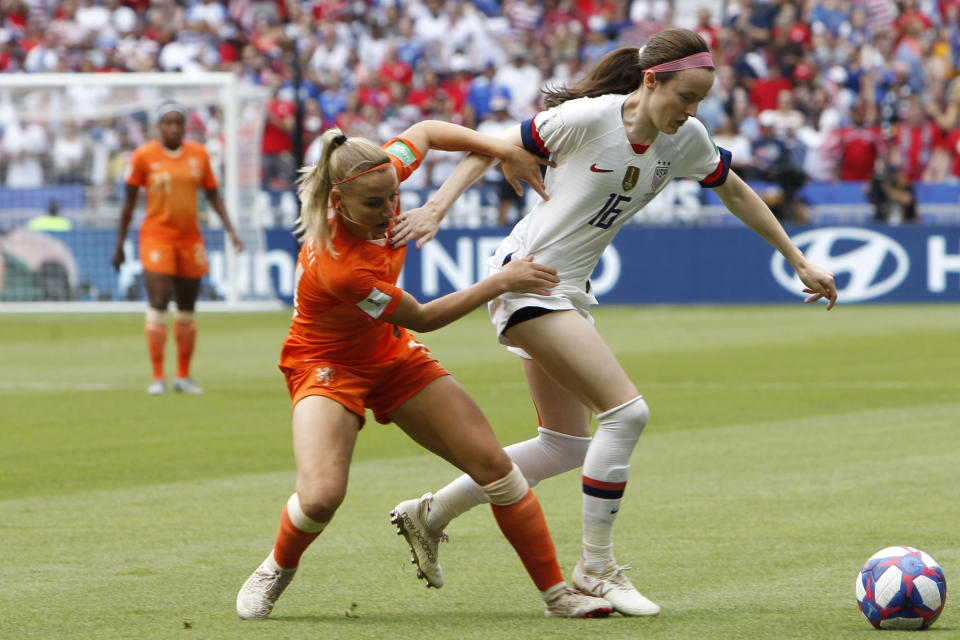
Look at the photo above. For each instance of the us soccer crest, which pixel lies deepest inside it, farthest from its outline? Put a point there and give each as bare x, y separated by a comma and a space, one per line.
630, 178
660, 174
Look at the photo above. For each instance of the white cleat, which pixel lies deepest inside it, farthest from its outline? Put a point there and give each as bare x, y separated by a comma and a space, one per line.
615, 587
157, 387
261, 590
573, 604
187, 385
410, 518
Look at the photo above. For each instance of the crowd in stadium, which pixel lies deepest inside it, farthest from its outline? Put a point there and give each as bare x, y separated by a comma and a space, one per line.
806, 90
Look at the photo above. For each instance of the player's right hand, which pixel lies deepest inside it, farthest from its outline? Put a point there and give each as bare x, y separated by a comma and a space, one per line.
523, 165
118, 258
420, 224
523, 275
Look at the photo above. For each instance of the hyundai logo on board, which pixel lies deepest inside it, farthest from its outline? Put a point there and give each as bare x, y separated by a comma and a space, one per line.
867, 263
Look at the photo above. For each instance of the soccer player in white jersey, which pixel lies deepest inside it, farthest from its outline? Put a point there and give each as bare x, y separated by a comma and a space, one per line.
617, 137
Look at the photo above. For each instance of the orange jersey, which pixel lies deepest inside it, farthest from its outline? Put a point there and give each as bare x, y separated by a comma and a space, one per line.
172, 179
340, 304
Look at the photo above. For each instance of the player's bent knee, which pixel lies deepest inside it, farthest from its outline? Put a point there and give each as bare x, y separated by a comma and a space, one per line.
565, 450
320, 505
156, 316
490, 468
627, 421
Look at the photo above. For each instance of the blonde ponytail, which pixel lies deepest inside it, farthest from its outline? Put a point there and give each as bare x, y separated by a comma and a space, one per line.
340, 158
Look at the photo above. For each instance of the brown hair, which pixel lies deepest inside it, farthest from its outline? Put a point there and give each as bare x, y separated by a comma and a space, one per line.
341, 158
621, 70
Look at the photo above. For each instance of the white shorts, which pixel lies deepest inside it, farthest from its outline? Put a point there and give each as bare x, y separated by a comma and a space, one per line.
565, 297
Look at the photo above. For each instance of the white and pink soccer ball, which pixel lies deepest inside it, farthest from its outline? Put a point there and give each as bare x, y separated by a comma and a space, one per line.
901, 588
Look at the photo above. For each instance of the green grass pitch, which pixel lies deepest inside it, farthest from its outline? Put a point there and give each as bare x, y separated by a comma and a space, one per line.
786, 446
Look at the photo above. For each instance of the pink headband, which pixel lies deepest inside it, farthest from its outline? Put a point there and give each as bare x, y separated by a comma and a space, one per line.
695, 61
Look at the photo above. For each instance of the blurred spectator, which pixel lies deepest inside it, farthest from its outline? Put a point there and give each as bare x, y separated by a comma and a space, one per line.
859, 145
596, 45
522, 80
765, 90
786, 120
483, 89
914, 141
831, 16
333, 98
706, 27
524, 15
330, 56
730, 138
510, 205
431, 24
457, 83
774, 163
373, 91
278, 164
51, 221
207, 14
392, 68
24, 149
892, 194
44, 56
911, 14
69, 156
425, 89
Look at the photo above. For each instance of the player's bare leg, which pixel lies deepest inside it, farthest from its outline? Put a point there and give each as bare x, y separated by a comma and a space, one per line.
587, 368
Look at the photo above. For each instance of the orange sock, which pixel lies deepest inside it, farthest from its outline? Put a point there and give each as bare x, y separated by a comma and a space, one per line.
291, 542
156, 341
524, 526
185, 333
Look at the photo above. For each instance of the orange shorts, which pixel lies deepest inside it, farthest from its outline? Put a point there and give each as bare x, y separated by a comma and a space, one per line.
181, 260
380, 387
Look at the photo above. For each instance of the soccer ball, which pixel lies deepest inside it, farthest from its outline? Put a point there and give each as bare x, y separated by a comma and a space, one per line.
901, 588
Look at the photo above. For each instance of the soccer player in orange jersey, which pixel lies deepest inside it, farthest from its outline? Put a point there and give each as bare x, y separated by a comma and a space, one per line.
171, 247
349, 350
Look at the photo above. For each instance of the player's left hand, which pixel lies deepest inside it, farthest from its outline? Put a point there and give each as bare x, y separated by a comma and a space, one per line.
237, 242
525, 166
420, 224
820, 284
523, 275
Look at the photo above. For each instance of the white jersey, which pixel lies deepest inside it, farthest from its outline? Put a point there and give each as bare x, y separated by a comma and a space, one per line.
601, 180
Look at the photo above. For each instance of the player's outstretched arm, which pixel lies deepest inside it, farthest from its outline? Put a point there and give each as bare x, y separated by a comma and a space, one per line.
743, 202
517, 165
421, 224
520, 276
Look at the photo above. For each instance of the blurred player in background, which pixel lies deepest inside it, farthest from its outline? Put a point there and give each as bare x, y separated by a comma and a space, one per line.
617, 138
348, 350
171, 247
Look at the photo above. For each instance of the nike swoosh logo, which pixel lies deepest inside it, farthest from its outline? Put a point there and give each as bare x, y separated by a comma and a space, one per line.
594, 168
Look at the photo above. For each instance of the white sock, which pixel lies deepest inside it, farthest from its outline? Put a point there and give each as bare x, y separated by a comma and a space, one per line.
605, 472
549, 454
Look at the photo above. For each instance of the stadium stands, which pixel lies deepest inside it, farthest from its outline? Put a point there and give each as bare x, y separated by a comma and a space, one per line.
841, 83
